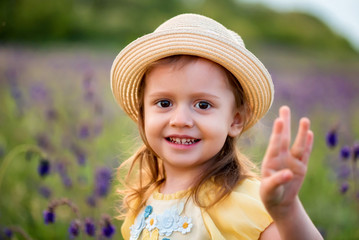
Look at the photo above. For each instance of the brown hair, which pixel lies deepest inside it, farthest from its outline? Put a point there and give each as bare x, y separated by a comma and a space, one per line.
146, 170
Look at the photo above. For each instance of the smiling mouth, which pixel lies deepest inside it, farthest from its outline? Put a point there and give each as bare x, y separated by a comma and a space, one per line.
185, 141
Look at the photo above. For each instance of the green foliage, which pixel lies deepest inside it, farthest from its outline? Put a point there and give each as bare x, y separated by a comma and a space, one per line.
121, 21
294, 46
62, 71
35, 19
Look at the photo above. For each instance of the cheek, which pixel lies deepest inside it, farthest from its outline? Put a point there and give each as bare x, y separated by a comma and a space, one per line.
152, 125
218, 125
215, 130
147, 126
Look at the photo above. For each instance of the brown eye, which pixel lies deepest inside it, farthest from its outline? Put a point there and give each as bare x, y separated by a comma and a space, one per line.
203, 105
164, 103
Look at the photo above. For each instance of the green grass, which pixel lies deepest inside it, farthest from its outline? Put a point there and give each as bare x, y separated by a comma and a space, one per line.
61, 70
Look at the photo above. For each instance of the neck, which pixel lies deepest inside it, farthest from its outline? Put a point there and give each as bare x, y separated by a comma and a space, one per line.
177, 180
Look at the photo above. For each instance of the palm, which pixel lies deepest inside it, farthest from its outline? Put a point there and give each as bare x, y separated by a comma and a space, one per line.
284, 166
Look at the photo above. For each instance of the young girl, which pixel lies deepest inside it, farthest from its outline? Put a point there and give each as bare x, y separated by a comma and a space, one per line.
193, 88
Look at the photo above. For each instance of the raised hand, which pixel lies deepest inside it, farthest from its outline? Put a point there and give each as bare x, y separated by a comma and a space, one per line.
284, 166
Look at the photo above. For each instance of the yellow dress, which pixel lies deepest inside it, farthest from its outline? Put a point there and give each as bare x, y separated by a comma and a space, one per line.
241, 215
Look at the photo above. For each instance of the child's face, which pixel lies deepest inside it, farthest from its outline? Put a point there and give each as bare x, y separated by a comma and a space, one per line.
189, 112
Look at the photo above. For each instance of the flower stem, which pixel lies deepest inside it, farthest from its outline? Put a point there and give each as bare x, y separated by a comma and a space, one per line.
354, 176
64, 201
13, 153
21, 231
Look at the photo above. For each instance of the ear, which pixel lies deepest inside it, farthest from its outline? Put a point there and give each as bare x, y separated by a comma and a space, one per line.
236, 126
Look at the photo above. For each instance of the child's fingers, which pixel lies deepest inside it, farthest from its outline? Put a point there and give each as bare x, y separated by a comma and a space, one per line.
309, 146
274, 140
284, 114
300, 144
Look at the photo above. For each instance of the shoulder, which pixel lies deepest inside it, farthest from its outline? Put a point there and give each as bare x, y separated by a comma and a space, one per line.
249, 186
246, 192
241, 215
244, 195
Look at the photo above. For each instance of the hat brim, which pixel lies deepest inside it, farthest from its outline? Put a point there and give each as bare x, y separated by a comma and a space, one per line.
132, 62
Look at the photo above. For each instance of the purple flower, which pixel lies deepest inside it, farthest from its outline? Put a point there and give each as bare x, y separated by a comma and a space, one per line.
14, 86
43, 141
84, 132
17, 95
44, 167
51, 114
89, 95
91, 201
62, 170
356, 151
108, 229
45, 191
344, 187
87, 81
343, 172
88, 86
74, 229
49, 216
345, 152
102, 181
98, 108
90, 227
8, 233
66, 180
80, 154
332, 138
38, 92
81, 158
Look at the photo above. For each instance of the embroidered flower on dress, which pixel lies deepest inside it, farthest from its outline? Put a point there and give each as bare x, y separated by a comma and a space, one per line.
151, 222
152, 225
168, 222
148, 211
138, 226
185, 225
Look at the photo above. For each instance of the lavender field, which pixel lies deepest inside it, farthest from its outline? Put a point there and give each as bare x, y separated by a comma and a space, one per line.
62, 137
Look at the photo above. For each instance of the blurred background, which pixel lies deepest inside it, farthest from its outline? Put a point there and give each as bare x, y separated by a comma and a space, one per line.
62, 136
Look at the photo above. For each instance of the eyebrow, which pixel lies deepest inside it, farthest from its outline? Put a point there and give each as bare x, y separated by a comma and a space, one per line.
195, 94
206, 94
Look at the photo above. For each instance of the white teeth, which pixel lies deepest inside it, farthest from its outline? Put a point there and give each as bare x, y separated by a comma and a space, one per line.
184, 141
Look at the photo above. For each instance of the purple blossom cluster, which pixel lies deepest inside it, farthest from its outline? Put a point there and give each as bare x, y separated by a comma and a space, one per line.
102, 185
87, 226
61, 143
103, 179
347, 164
9, 232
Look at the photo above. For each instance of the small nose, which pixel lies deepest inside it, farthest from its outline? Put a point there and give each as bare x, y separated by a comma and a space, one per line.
181, 117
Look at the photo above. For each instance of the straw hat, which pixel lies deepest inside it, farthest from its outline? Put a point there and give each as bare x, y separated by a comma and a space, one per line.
191, 34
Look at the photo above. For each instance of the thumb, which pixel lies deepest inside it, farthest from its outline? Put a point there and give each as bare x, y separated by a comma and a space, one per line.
270, 186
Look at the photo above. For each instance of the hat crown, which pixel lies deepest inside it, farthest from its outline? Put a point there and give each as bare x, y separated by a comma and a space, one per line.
199, 23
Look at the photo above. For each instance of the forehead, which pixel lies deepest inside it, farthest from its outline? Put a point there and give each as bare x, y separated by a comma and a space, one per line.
179, 61
189, 69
